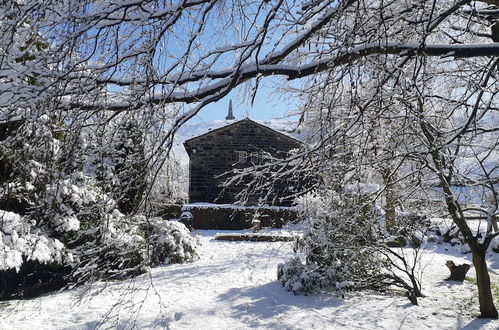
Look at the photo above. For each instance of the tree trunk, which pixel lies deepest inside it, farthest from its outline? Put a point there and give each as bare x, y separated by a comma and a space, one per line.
494, 225
457, 272
390, 200
444, 171
486, 300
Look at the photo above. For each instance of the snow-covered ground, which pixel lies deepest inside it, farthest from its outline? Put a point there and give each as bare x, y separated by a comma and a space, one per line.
233, 286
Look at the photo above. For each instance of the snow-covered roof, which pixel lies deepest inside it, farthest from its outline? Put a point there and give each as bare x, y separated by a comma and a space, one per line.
230, 123
189, 131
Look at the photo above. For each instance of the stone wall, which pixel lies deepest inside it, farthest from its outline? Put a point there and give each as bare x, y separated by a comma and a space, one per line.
169, 211
232, 217
220, 151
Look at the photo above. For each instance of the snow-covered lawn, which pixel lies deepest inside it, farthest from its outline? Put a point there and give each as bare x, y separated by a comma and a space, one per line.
233, 286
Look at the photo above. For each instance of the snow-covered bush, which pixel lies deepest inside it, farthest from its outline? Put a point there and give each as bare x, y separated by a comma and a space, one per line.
337, 252
20, 242
29, 258
127, 245
114, 249
70, 180
71, 202
66, 225
67, 199
408, 229
170, 242
298, 277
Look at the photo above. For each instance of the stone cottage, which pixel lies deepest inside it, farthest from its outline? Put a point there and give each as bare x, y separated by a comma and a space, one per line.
239, 144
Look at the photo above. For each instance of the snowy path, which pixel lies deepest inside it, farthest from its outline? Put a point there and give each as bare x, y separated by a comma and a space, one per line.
233, 286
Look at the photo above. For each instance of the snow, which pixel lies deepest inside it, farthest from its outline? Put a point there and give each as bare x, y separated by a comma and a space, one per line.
16, 244
254, 69
9, 221
192, 130
233, 286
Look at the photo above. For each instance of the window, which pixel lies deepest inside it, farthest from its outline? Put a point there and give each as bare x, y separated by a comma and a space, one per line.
241, 157
260, 157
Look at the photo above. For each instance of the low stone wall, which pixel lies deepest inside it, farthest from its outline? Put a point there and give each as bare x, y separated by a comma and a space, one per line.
234, 217
254, 237
169, 211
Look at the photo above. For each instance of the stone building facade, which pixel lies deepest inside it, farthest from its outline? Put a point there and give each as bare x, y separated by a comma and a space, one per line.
239, 145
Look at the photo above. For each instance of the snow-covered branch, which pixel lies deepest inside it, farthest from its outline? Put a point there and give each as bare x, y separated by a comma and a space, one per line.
230, 78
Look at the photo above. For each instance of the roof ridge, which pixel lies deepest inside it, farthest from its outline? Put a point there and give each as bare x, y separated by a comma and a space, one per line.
238, 122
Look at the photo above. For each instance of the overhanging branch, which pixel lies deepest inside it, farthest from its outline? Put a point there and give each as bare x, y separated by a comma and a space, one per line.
225, 78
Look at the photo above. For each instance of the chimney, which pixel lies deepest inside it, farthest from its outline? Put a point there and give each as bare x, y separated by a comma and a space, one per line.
230, 115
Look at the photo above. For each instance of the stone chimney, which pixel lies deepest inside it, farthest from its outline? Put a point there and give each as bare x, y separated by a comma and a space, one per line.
230, 115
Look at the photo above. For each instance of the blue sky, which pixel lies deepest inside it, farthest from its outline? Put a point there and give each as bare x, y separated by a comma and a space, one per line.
267, 105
